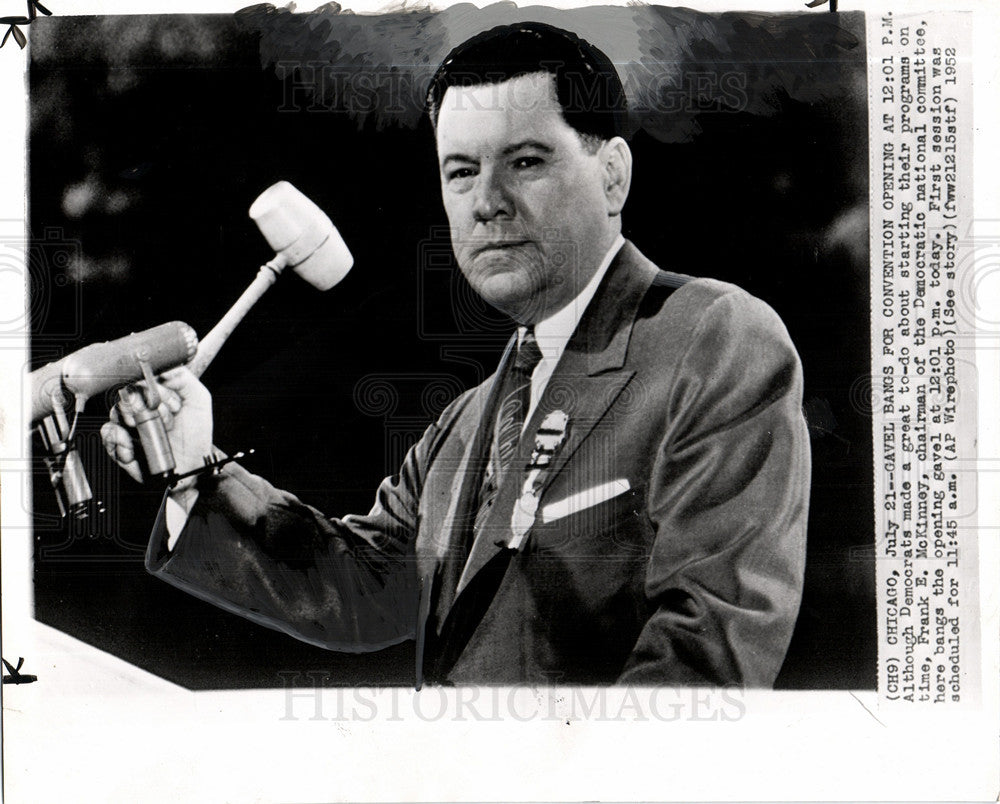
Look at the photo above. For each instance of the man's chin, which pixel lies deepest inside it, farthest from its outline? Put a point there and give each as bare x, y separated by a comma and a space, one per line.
512, 296
511, 286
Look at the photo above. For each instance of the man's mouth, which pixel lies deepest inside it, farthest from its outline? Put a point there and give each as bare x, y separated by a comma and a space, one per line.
498, 245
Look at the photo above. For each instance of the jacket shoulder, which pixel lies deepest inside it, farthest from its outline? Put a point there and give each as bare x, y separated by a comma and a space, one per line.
688, 300
693, 294
681, 309
459, 405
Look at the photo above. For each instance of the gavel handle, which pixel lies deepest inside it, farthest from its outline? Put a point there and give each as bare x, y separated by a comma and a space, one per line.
210, 345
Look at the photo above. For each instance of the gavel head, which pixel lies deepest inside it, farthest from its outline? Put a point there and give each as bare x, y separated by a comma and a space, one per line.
302, 235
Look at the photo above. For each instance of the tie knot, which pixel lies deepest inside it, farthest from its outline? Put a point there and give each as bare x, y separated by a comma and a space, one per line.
528, 354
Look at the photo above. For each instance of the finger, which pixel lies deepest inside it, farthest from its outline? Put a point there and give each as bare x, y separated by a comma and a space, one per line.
166, 416
126, 405
148, 396
118, 444
186, 385
171, 399
117, 440
177, 377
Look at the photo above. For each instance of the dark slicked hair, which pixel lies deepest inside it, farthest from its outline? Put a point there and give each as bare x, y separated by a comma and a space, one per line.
587, 85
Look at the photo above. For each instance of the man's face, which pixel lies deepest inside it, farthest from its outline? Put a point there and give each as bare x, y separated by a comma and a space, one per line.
525, 199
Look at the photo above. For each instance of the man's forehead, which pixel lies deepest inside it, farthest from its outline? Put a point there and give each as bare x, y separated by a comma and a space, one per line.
520, 102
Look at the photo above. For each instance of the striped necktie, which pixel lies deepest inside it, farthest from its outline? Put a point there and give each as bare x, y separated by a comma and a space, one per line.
514, 403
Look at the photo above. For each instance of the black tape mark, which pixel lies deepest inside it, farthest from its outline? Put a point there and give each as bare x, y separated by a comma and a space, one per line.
13, 30
15, 677
818, 3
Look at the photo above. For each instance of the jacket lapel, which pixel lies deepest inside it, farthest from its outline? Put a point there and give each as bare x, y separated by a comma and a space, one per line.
587, 380
441, 572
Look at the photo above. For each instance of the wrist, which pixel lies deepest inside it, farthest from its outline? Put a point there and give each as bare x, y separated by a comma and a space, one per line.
193, 479
184, 493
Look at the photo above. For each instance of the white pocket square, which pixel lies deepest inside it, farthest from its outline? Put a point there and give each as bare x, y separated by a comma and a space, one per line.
582, 500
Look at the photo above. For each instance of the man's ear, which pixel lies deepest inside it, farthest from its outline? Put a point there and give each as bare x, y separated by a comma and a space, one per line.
616, 158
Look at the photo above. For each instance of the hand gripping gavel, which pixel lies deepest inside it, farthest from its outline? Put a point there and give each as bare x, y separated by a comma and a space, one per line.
303, 238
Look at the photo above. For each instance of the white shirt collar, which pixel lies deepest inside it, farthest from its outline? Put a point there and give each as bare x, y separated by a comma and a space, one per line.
554, 332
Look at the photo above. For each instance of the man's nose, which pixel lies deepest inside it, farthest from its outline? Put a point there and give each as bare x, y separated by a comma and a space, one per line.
492, 199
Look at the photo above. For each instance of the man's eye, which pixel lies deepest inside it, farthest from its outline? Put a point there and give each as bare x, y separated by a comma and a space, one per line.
527, 162
460, 173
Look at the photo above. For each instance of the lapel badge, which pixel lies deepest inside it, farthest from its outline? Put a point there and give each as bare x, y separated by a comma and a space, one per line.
549, 438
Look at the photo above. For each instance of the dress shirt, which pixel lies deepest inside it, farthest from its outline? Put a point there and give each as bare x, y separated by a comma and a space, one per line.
553, 333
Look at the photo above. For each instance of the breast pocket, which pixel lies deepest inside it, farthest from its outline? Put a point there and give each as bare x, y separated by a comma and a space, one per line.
584, 525
586, 570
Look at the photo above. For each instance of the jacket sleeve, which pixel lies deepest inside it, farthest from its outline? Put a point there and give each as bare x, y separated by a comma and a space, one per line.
345, 584
728, 498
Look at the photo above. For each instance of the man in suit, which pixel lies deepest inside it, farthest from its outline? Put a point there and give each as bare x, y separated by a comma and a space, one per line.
623, 501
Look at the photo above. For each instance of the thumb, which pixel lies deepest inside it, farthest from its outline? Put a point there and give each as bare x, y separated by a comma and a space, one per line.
120, 447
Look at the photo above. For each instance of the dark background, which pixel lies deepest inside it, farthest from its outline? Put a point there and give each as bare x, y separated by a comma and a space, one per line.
151, 136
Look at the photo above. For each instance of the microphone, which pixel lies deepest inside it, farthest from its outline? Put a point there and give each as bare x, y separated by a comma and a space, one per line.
65, 469
91, 371
141, 355
305, 240
46, 390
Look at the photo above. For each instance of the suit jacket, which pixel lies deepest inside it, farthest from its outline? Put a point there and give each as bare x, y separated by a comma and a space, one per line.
688, 390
